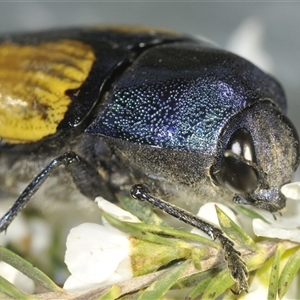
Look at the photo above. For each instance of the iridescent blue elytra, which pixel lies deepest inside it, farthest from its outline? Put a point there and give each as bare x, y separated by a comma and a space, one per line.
180, 96
155, 112
193, 121
158, 108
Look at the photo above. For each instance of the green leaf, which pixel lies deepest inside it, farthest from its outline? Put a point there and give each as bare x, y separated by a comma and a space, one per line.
9, 289
289, 272
273, 283
159, 234
233, 231
5, 296
259, 259
28, 269
181, 234
197, 255
194, 279
113, 293
250, 213
141, 210
158, 288
198, 290
147, 257
218, 285
138, 231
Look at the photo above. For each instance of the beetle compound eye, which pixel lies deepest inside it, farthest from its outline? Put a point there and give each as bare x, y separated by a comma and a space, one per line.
237, 175
241, 144
237, 171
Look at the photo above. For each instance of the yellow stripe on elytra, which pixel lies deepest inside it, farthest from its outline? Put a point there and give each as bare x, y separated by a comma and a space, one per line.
33, 82
132, 29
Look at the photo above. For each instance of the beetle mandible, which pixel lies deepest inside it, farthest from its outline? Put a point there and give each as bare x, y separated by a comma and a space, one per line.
193, 121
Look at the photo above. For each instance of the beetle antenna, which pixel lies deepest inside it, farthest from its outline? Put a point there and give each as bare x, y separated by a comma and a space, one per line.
236, 265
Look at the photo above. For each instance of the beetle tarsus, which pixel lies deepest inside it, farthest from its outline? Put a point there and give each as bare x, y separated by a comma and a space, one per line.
236, 265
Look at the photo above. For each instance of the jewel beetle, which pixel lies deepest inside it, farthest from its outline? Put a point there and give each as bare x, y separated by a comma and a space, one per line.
119, 106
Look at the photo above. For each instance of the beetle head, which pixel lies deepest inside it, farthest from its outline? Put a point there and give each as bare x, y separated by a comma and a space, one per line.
259, 153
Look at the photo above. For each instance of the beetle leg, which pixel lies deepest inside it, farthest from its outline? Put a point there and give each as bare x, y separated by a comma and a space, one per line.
236, 265
84, 175
272, 204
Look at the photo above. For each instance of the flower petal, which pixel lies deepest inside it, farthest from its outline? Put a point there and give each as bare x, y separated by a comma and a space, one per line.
94, 252
116, 211
291, 190
262, 228
73, 284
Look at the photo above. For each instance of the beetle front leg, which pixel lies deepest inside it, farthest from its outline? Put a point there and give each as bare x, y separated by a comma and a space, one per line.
85, 176
275, 201
236, 265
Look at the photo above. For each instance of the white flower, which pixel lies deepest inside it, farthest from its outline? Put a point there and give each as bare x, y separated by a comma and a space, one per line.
115, 211
98, 255
286, 226
291, 190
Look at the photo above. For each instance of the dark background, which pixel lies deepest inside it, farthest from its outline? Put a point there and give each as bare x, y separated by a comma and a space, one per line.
215, 20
